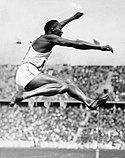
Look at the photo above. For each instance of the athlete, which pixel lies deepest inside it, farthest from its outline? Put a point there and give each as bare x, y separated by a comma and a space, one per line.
32, 82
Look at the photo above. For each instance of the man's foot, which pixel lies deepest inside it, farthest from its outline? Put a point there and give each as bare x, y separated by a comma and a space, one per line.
15, 100
98, 102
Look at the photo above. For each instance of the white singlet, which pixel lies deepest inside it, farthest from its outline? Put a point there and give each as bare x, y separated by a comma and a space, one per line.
29, 68
36, 58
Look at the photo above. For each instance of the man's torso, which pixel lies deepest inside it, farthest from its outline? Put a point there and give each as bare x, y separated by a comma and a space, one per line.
43, 44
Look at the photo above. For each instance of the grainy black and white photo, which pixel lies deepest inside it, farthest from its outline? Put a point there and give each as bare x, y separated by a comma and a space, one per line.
62, 79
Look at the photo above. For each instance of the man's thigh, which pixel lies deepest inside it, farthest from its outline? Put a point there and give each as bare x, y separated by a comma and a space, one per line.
41, 80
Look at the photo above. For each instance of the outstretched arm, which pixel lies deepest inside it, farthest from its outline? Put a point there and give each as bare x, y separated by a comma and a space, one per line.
83, 45
86, 45
78, 44
76, 16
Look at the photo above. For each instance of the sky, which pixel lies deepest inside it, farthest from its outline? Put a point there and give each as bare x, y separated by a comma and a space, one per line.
103, 20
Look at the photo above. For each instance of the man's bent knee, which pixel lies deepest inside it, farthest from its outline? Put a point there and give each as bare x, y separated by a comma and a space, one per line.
63, 88
69, 82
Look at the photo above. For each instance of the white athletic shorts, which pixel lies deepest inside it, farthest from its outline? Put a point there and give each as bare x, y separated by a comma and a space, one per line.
25, 73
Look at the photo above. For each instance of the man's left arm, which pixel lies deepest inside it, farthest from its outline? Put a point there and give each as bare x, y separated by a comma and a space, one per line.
76, 16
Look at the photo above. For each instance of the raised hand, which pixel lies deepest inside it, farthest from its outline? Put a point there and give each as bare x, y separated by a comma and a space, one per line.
78, 15
106, 48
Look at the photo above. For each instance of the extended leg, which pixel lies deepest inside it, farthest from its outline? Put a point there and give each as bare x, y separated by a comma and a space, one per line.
46, 85
62, 87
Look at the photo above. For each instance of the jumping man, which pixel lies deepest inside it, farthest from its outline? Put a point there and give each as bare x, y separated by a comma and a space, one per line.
30, 79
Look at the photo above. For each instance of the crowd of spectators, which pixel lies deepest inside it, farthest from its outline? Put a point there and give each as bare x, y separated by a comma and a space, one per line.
66, 124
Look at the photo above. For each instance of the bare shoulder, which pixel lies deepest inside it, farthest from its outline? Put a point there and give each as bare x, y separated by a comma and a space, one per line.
49, 38
43, 43
53, 39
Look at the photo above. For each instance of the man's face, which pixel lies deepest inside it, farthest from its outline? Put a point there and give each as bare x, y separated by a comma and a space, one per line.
57, 29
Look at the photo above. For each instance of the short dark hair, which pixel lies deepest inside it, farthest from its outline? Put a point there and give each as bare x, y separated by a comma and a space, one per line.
49, 24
